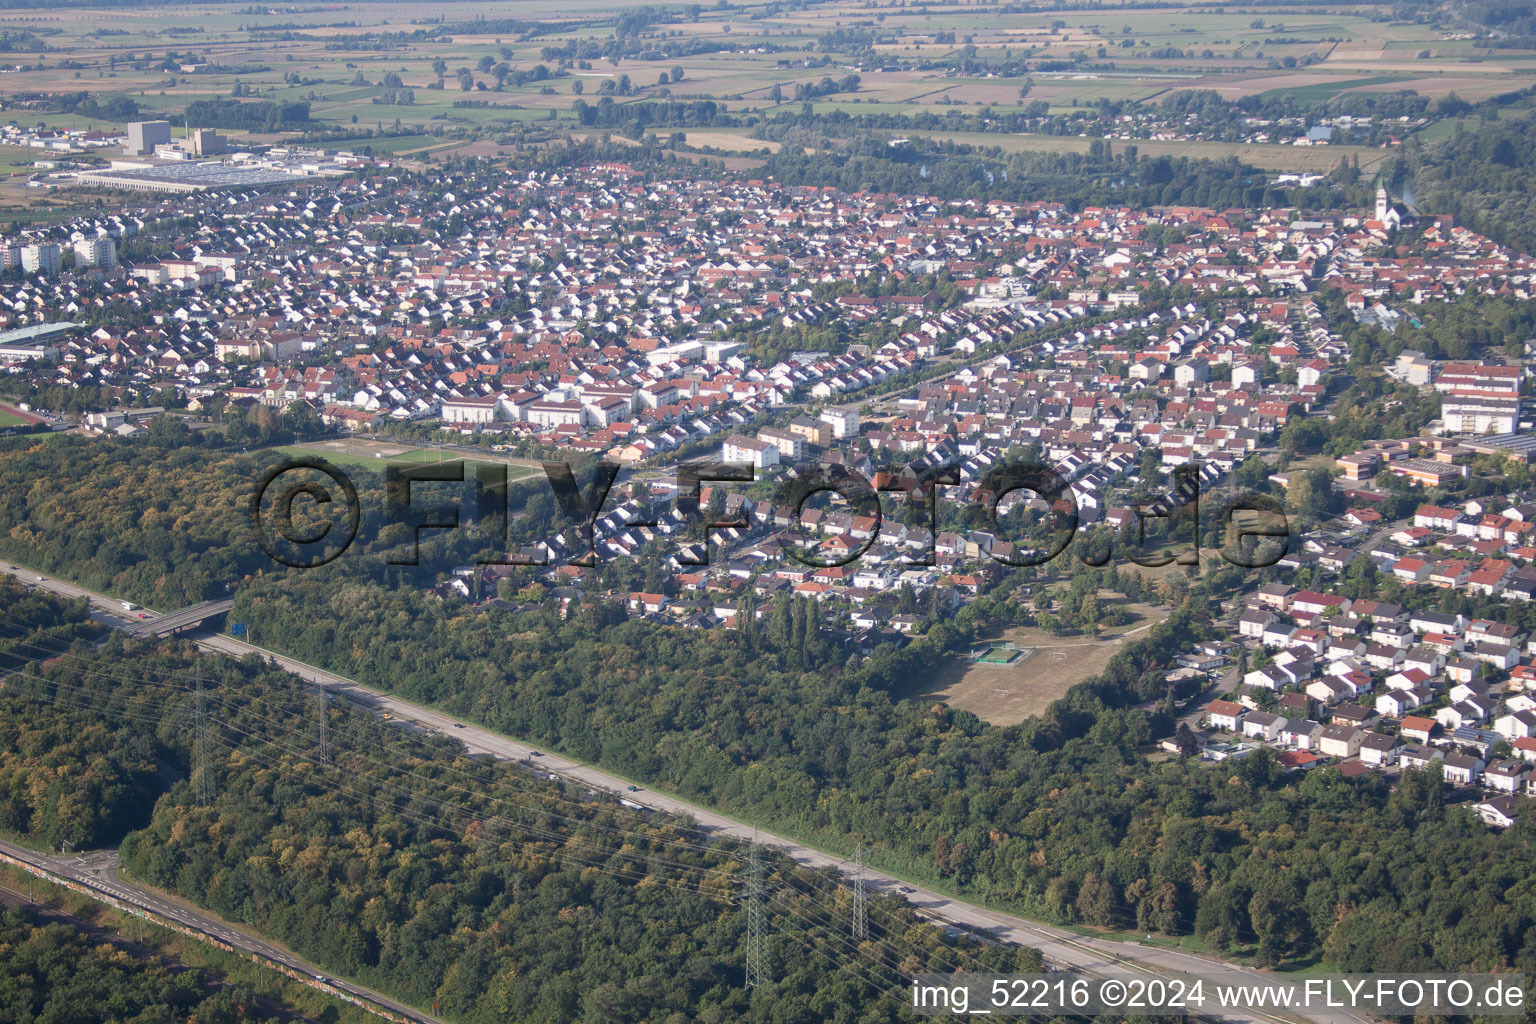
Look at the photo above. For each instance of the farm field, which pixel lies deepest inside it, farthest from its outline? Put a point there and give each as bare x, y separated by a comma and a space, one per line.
337, 58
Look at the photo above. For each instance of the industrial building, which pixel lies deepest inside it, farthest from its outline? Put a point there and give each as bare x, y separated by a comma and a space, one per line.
207, 142
144, 136
35, 342
185, 177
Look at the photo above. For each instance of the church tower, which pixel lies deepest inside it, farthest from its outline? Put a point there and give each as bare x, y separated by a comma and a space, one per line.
1385, 214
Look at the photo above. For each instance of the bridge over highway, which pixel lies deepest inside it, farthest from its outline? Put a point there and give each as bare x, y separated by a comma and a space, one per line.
191, 617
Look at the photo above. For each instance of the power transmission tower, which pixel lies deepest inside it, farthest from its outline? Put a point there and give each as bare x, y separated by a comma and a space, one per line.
201, 769
325, 726
860, 898
757, 923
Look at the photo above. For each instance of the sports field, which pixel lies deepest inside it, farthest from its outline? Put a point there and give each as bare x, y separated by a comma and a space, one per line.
1044, 668
374, 455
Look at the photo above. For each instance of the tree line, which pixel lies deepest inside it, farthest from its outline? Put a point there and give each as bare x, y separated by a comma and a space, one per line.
475, 888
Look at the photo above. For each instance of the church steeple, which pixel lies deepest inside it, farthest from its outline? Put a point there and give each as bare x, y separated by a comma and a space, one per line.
1386, 216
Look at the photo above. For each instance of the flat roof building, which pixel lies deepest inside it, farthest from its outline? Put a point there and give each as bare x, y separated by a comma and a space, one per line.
186, 177
26, 343
144, 136
1510, 445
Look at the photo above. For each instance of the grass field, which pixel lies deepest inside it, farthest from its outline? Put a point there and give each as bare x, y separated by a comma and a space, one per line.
363, 453
1051, 665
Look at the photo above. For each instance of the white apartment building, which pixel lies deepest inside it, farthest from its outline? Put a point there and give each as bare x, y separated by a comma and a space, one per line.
556, 414
760, 454
471, 410
42, 258
844, 422
790, 445
1481, 414
100, 251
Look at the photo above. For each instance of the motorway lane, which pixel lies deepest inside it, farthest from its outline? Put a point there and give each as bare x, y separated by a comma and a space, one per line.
108, 610
1061, 948
98, 870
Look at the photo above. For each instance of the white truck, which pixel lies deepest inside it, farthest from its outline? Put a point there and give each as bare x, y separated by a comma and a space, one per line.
127, 606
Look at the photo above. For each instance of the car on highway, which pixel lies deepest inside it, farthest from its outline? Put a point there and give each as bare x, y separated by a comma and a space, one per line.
905, 890
535, 753
458, 725
143, 615
634, 789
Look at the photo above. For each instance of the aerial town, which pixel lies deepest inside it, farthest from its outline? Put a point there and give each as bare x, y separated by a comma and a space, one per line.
769, 511
614, 313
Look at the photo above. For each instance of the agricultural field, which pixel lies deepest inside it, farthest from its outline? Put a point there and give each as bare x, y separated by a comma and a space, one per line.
751, 57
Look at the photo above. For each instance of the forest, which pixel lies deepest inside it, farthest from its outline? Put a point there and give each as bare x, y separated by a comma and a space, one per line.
155, 523
477, 889
257, 115
52, 973
1061, 817
1481, 175
1103, 176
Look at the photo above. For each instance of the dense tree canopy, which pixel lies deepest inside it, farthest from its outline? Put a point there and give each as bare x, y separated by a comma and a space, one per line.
477, 888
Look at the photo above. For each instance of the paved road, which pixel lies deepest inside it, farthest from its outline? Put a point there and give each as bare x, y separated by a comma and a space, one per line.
107, 610
1061, 948
98, 871
187, 618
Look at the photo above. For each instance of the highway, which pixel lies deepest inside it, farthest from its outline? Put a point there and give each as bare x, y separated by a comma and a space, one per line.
187, 618
107, 610
1061, 948
97, 870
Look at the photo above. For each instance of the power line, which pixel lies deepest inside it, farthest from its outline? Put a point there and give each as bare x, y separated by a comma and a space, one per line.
813, 894
860, 898
322, 714
545, 795
757, 918
202, 770
757, 921
523, 783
